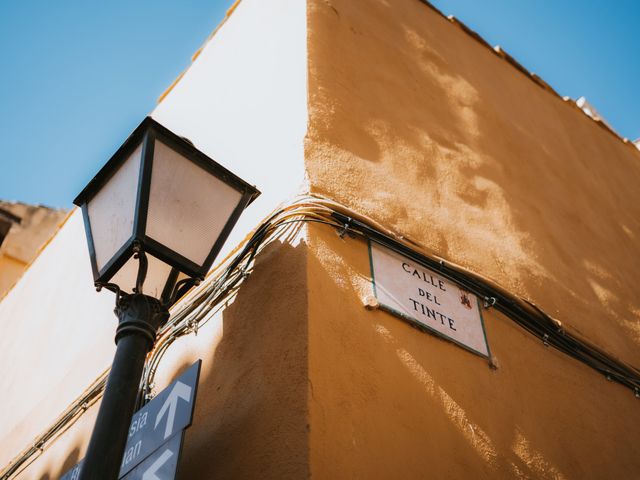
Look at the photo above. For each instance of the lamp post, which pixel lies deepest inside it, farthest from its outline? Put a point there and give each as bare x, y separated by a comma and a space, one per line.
156, 215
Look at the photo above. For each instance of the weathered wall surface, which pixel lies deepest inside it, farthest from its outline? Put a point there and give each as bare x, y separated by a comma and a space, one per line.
252, 409
24, 239
244, 103
57, 338
416, 124
389, 401
251, 412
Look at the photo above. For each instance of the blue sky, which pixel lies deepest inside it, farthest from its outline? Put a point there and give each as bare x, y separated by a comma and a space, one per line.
76, 77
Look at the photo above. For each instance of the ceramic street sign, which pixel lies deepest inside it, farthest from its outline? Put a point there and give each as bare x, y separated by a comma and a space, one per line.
415, 293
169, 412
161, 464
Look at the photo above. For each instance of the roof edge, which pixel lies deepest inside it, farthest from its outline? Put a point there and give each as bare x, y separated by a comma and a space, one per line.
501, 53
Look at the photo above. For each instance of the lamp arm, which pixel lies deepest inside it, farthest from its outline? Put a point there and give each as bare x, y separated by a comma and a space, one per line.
142, 267
181, 288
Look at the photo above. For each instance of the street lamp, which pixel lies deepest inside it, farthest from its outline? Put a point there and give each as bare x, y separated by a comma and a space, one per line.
156, 215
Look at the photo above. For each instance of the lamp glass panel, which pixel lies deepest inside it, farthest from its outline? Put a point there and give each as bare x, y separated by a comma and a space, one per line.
188, 207
112, 209
157, 275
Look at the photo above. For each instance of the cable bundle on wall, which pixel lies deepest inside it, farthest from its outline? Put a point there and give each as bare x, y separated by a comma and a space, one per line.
220, 286
523, 312
90, 396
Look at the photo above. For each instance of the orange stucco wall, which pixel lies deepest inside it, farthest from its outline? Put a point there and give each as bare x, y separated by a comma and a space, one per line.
243, 102
25, 239
389, 401
10, 270
416, 124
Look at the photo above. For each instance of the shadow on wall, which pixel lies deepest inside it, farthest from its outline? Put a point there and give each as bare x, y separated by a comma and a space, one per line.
514, 455
459, 151
60, 468
251, 412
391, 401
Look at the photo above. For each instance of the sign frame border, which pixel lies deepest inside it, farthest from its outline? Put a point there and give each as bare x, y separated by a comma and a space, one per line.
198, 365
415, 323
181, 434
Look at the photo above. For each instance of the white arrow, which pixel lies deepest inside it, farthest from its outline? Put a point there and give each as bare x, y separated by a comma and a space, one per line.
150, 473
180, 390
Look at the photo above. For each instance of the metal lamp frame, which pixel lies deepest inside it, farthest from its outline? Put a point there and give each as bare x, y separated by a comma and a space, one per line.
146, 134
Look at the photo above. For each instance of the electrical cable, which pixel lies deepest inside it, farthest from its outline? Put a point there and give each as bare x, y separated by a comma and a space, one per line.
199, 305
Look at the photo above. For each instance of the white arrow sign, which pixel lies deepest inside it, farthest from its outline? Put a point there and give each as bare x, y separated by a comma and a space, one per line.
180, 390
145, 439
150, 473
161, 464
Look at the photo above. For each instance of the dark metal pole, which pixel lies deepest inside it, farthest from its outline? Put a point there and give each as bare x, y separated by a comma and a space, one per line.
139, 318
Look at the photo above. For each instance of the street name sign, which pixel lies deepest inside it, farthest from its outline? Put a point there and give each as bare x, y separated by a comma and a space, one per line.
161, 464
419, 295
171, 411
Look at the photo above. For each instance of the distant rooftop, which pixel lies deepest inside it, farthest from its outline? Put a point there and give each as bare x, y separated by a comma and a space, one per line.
24, 230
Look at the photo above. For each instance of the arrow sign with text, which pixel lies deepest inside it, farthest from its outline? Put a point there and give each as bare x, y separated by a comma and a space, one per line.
170, 412
161, 464
170, 406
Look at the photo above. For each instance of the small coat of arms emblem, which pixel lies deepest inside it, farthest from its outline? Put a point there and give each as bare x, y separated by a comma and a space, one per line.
464, 299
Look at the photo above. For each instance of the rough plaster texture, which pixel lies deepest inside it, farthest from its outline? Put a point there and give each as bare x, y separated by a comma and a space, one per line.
56, 338
251, 410
389, 401
24, 240
244, 103
416, 124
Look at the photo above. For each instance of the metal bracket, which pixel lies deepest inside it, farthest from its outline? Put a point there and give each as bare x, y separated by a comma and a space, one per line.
138, 253
489, 302
140, 314
112, 287
193, 326
345, 229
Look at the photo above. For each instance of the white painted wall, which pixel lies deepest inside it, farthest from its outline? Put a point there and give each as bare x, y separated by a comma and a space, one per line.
244, 103
57, 337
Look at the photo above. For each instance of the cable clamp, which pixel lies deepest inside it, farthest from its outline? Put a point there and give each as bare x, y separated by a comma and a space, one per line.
192, 325
345, 229
489, 302
245, 273
493, 363
545, 340
370, 302
149, 395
